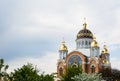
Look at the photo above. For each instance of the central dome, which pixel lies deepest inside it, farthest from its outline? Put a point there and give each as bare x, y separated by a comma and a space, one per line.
84, 33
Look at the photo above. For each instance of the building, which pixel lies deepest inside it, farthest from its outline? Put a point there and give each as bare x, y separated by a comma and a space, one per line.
87, 54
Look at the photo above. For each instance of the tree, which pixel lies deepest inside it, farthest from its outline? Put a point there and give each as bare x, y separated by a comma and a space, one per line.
106, 71
25, 73
29, 73
87, 77
3, 73
111, 75
115, 74
46, 77
71, 71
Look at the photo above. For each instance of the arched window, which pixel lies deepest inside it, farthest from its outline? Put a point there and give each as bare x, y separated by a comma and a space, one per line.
79, 44
93, 69
89, 43
82, 42
61, 71
85, 42
74, 59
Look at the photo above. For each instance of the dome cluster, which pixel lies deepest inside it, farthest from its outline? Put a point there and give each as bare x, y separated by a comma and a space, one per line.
87, 34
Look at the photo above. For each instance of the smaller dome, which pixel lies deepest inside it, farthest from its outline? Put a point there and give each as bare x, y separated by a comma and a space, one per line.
105, 61
63, 47
105, 50
102, 52
94, 43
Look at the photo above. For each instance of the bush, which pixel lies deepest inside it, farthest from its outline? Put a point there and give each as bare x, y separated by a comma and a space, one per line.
87, 77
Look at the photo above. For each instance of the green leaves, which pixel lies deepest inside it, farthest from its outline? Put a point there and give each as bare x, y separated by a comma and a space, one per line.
25, 73
29, 73
46, 77
3, 73
76, 74
87, 77
71, 72
1, 64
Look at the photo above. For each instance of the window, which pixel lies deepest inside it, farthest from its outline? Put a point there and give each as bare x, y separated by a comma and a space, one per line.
74, 59
89, 42
93, 69
82, 42
85, 42
61, 71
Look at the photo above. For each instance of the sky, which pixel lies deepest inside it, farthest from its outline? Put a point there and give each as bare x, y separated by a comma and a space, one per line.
31, 31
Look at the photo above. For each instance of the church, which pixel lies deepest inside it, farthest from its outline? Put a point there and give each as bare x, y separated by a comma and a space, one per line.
87, 54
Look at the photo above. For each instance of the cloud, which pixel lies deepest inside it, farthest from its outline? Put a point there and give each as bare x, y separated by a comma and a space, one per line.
115, 62
29, 28
46, 63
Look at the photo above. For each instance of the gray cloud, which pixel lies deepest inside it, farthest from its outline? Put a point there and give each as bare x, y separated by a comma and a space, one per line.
32, 27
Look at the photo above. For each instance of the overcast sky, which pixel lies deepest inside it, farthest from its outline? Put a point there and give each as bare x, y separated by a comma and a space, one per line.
32, 30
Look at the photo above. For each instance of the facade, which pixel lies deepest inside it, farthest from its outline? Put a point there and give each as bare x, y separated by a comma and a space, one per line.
87, 54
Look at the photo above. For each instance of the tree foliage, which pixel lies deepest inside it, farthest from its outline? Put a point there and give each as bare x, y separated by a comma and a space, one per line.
46, 77
87, 77
115, 74
29, 73
111, 75
3, 74
106, 71
25, 73
71, 72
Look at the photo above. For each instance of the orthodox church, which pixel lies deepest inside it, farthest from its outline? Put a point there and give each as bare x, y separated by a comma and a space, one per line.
87, 54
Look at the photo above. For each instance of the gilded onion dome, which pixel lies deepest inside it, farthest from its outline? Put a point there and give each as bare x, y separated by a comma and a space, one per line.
84, 33
105, 61
94, 43
63, 47
105, 50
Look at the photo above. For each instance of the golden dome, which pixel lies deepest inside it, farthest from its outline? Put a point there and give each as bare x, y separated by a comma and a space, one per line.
63, 47
84, 33
94, 43
105, 61
102, 52
105, 50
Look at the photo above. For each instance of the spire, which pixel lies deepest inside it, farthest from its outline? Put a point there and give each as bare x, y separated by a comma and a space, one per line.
63, 47
63, 41
84, 24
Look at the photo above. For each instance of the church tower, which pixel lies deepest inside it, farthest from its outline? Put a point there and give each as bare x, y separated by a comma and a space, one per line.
94, 50
84, 39
105, 55
63, 51
105, 58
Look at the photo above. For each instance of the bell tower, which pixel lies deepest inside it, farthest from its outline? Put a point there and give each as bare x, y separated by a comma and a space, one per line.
105, 55
94, 50
63, 51
84, 39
